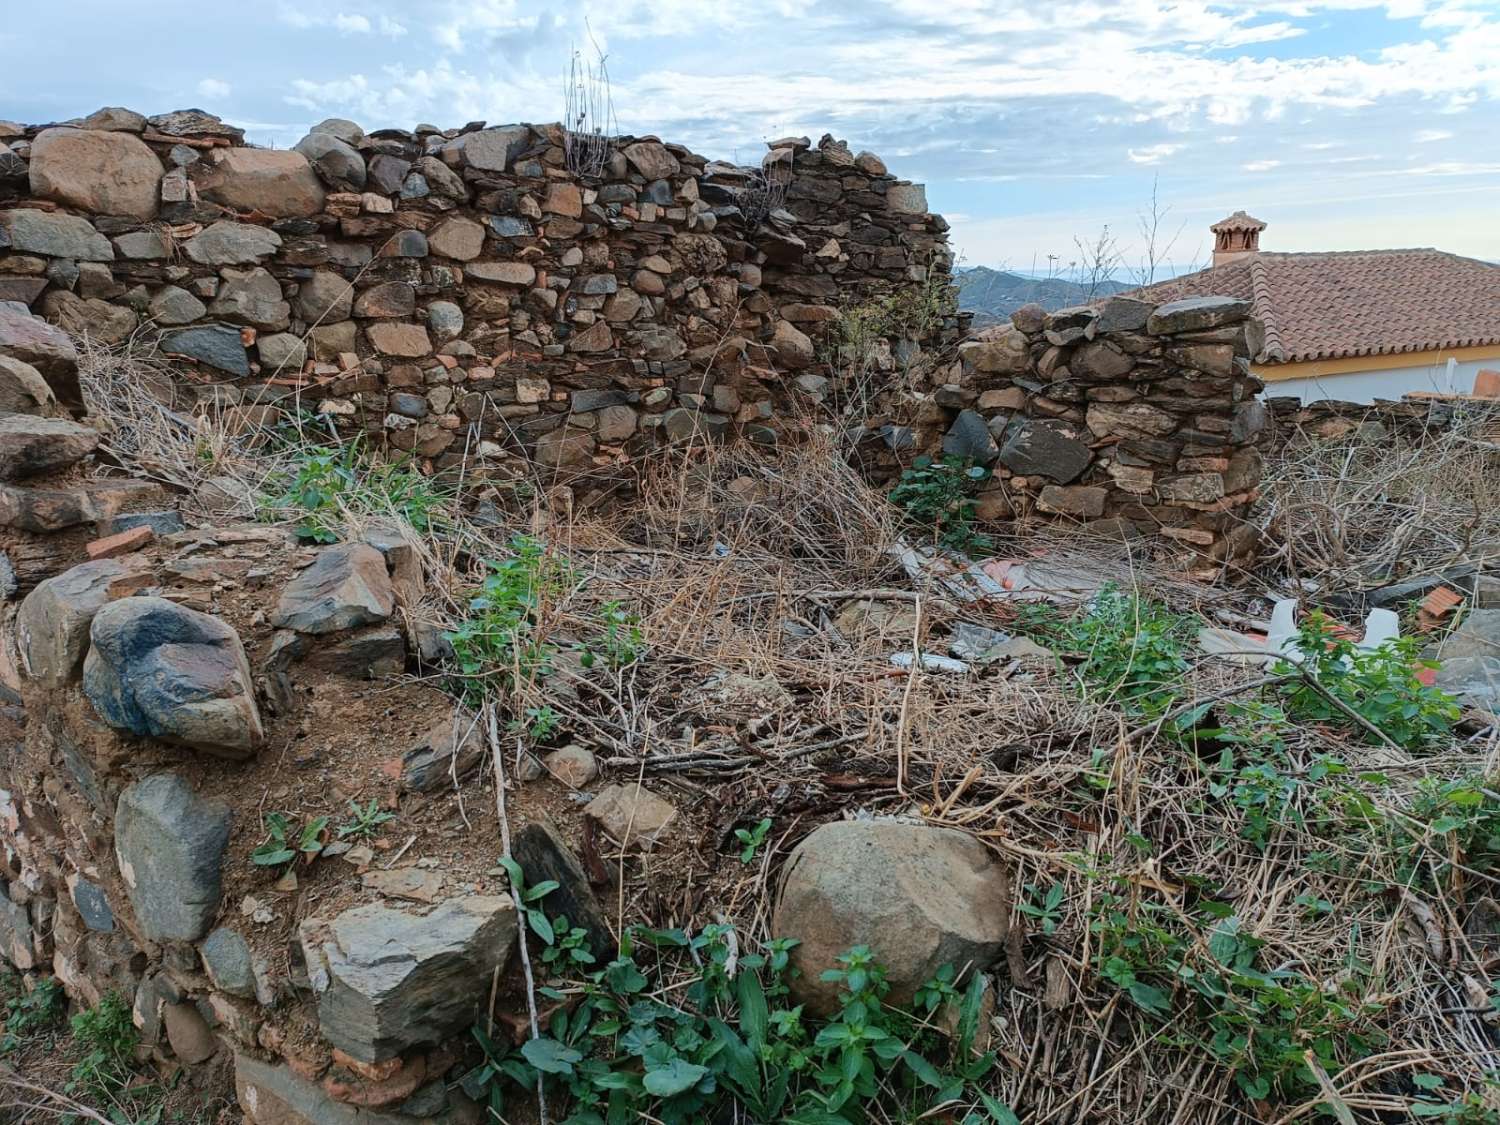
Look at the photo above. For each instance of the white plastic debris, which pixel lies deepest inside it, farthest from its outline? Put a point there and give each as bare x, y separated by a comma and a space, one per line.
931, 663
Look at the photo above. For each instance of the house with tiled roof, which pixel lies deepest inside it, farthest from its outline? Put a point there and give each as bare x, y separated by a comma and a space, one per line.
1356, 325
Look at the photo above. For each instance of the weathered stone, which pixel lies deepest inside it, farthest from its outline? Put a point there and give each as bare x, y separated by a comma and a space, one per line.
329, 341
101, 321
385, 173
171, 305
323, 298
160, 670
1004, 353
1099, 359
1080, 500
596, 338
573, 765
1123, 314
218, 345
102, 172
393, 298
457, 238
440, 178
195, 123
1044, 448
276, 182
33, 341
405, 244
52, 626
493, 149
280, 352
188, 1033
170, 845
445, 321
55, 235
251, 297
632, 815
231, 244
919, 897
341, 127
54, 509
651, 159
969, 438
23, 390
502, 273
1196, 488
395, 338
1130, 419
346, 586
388, 980
907, 199
116, 118
17, 940
563, 199
92, 903
30, 445
337, 163
21, 290
226, 959
1197, 314
793, 347
448, 751
545, 857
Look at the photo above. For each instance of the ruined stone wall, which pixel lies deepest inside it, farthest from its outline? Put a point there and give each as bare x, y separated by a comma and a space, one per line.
462, 290
1124, 410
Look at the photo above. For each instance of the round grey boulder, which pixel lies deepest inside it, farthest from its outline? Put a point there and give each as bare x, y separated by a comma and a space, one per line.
918, 897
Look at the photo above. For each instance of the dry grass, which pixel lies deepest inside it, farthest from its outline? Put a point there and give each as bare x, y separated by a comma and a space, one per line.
1377, 507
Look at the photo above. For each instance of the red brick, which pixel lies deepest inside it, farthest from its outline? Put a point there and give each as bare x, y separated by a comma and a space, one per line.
121, 543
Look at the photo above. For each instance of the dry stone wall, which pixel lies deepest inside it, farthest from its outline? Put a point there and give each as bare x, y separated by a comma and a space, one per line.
460, 293
1124, 410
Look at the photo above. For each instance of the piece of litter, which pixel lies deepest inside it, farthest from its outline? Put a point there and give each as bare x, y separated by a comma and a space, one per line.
931, 663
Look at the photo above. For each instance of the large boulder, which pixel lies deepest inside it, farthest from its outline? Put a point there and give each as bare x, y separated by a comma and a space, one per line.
324, 298
489, 150
169, 843
251, 297
30, 445
388, 980
919, 897
52, 626
345, 587
232, 244
652, 159
160, 670
1001, 352
99, 171
276, 182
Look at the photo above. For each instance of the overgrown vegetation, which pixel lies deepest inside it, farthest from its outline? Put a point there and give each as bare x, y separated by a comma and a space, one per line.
325, 484
937, 497
107, 1039
31, 1014
681, 1028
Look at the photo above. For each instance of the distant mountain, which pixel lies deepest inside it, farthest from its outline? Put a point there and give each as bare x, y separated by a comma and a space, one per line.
992, 295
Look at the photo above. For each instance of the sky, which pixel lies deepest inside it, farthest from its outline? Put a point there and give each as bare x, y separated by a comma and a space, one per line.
1035, 124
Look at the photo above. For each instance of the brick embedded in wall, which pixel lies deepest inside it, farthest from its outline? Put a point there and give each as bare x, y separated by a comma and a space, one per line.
1122, 410
457, 292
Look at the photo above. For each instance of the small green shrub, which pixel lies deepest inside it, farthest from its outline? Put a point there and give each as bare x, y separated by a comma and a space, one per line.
751, 839
286, 840
938, 497
364, 821
499, 642
641, 1047
1380, 685
327, 481
108, 1039
34, 1013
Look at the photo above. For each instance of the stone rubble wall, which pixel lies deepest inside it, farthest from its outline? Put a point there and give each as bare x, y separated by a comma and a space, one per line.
460, 293
1119, 411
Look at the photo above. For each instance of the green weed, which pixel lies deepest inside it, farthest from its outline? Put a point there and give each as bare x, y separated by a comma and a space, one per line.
31, 1014
938, 497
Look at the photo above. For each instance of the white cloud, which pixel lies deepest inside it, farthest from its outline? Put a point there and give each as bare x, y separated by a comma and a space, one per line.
1153, 154
1429, 136
213, 88
1261, 165
351, 24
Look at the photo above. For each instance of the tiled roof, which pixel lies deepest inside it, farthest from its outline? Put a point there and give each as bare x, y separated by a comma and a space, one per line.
1352, 303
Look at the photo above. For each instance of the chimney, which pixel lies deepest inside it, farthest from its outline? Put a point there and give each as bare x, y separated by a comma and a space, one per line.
1236, 236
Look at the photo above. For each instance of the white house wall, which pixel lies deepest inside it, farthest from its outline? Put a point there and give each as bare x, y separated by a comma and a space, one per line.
1452, 377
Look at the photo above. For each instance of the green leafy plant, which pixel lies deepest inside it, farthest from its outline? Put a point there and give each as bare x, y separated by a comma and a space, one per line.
1046, 907
621, 641
1471, 1107
1127, 648
326, 481
285, 840
364, 822
499, 642
33, 1013
751, 839
107, 1038
1380, 685
624, 1053
938, 497
536, 724
530, 897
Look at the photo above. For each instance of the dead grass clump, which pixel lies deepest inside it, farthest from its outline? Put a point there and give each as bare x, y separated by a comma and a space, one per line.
1375, 507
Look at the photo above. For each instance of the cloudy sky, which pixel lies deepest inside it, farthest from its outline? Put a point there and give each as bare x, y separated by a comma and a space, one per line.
1342, 123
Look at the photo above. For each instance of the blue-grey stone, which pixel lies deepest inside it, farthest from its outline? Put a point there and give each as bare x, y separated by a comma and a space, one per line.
415, 187
970, 439
170, 844
226, 958
1044, 448
166, 522
93, 906
511, 226
218, 345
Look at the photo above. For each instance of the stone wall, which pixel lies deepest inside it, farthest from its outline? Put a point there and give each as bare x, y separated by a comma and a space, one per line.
460, 291
1122, 410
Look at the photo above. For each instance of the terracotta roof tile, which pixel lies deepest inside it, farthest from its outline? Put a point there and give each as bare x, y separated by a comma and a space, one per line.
1353, 303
